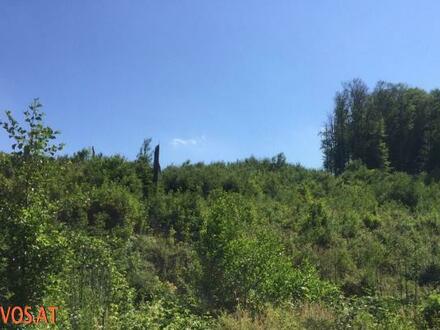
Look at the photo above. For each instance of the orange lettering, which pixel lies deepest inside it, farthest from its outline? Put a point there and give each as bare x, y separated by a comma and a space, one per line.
53, 314
5, 318
41, 315
20, 310
29, 317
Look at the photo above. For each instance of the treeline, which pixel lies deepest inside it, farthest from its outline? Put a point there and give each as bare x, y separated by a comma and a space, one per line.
392, 127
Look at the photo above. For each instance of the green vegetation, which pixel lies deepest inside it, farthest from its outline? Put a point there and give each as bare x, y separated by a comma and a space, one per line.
394, 126
253, 244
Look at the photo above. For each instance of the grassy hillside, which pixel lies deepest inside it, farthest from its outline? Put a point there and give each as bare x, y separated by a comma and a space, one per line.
255, 244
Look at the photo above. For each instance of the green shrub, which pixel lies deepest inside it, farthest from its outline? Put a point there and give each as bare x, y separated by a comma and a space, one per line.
431, 311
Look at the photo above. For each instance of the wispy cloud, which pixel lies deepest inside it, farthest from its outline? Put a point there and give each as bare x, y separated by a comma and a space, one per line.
176, 142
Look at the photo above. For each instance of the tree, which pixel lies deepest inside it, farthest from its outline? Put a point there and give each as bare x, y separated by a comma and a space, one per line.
144, 153
328, 145
34, 140
376, 150
394, 126
33, 250
144, 166
335, 138
357, 99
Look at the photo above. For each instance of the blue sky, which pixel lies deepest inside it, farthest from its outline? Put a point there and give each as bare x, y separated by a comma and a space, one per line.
209, 80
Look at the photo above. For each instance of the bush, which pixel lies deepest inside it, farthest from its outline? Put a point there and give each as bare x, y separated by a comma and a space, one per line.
431, 311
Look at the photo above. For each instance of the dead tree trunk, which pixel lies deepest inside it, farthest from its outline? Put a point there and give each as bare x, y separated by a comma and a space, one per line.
156, 165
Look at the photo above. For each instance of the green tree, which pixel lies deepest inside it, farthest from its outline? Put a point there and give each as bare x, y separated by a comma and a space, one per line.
33, 251
144, 167
36, 139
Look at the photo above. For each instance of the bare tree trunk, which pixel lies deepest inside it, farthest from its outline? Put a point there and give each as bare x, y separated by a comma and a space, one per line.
156, 165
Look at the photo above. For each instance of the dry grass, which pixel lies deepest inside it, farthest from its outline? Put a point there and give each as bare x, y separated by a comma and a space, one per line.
308, 316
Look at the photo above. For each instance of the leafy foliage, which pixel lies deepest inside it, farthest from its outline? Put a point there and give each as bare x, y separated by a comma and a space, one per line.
253, 244
393, 126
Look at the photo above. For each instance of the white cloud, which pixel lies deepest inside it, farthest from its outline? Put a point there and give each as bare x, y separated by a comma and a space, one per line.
176, 142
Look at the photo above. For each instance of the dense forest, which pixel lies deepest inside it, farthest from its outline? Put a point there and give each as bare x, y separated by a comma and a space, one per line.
393, 127
251, 244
